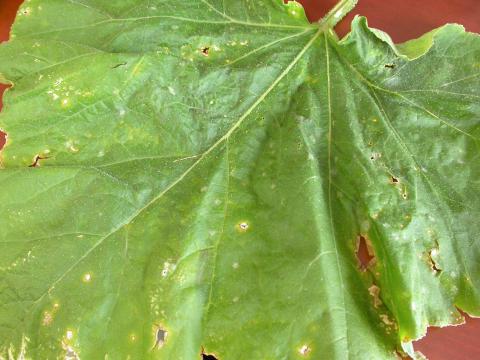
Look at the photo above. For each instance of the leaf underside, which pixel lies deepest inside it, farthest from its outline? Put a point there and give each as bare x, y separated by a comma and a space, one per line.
187, 175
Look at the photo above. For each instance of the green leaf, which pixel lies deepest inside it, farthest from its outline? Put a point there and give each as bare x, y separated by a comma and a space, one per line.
204, 171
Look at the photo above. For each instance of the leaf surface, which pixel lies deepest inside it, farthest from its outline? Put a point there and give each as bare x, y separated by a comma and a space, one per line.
203, 174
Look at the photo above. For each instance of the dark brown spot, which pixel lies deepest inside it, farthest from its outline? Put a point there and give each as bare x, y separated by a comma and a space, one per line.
390, 66
365, 254
205, 51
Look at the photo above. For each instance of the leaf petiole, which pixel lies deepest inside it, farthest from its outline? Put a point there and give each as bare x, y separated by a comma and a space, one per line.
337, 13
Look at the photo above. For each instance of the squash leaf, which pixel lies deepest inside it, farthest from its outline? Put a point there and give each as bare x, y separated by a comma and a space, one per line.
188, 179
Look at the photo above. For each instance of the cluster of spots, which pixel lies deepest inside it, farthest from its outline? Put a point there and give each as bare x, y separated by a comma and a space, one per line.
242, 226
235, 43
390, 325
19, 261
304, 350
49, 315
61, 92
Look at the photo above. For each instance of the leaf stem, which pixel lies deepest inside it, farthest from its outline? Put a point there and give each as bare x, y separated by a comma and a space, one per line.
337, 13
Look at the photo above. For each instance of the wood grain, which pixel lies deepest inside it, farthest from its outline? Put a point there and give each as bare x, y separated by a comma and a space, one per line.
403, 20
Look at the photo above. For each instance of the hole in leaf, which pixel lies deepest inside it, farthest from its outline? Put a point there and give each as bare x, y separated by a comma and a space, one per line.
390, 66
365, 254
3, 139
394, 180
118, 65
206, 356
205, 51
36, 161
433, 265
160, 338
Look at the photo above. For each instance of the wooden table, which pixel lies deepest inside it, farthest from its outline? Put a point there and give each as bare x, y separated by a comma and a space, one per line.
403, 20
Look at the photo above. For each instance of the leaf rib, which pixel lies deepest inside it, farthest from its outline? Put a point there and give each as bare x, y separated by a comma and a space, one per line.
330, 207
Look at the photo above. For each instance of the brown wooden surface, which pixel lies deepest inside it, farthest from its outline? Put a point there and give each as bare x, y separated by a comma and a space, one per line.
403, 20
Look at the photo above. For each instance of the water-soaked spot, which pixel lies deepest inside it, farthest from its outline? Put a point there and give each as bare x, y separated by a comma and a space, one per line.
365, 253
3, 139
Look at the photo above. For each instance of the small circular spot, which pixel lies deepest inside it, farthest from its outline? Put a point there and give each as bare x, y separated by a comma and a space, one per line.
243, 226
69, 335
87, 277
304, 350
